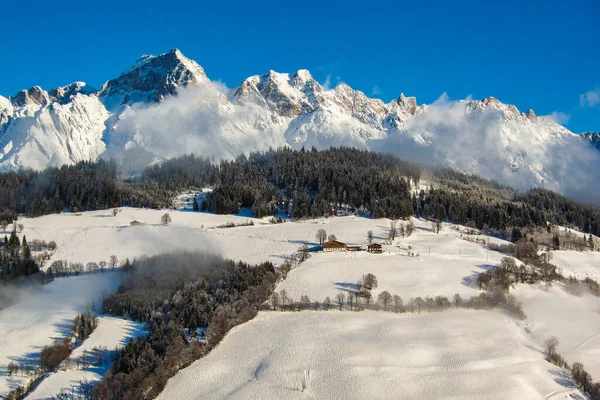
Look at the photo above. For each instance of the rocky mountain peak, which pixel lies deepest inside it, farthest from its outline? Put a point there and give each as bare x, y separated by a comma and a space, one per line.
35, 95
151, 79
64, 93
408, 103
301, 78
593, 138
530, 114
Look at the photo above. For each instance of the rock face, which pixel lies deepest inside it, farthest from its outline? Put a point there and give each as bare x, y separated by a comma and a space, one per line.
593, 138
165, 105
152, 79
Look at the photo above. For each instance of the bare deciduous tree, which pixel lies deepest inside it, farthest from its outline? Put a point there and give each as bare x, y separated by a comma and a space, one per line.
551, 345
351, 300
91, 267
370, 237
384, 298
457, 300
321, 236
369, 281
339, 298
275, 300
410, 227
284, 297
165, 219
398, 306
113, 261
303, 253
393, 229
304, 302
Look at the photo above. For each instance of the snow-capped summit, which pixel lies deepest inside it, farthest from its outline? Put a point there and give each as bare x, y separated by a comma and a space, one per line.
146, 114
152, 79
66, 93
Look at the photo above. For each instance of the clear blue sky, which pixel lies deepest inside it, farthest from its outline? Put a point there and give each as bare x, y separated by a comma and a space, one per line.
541, 55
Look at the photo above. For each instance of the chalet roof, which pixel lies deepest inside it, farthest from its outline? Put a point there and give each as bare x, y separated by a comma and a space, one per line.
375, 245
334, 243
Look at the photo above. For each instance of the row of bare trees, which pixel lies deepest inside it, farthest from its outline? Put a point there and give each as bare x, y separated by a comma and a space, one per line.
580, 376
61, 268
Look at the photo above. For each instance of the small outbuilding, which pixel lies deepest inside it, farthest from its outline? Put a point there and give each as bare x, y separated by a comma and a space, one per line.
375, 248
353, 248
334, 245
136, 223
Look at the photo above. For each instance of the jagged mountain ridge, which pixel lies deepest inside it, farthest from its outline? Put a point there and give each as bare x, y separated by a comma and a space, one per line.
145, 115
593, 137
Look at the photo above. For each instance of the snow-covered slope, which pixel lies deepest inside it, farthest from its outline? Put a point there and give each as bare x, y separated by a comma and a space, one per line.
374, 355
165, 105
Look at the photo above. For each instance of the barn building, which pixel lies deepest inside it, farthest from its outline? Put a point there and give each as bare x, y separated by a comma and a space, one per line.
334, 245
375, 248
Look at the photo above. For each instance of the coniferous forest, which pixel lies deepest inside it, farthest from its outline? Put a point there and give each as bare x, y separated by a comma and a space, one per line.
178, 293
301, 184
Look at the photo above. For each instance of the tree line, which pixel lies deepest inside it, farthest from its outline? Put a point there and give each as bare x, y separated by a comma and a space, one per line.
301, 183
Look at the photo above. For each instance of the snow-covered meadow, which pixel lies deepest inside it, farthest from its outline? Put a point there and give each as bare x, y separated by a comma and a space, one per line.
457, 354
347, 355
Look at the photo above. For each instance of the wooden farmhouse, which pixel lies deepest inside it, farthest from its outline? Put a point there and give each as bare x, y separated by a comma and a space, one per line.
334, 245
375, 248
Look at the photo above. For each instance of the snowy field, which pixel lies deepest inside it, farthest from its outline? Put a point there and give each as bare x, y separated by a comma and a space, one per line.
577, 263
373, 355
462, 354
325, 274
95, 236
575, 321
44, 317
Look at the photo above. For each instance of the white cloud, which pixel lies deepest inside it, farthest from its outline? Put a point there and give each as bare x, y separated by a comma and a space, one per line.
327, 84
560, 117
508, 150
205, 120
199, 120
376, 91
590, 98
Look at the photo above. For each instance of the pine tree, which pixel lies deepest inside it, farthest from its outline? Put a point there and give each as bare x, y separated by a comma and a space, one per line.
556, 242
195, 205
26, 250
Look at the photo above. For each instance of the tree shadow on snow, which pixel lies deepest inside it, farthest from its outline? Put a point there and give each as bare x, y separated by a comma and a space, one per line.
563, 378
31, 358
283, 256
63, 329
306, 242
471, 280
348, 287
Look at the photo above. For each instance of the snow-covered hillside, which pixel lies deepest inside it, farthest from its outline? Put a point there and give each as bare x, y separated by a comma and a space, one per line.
374, 355
165, 106
41, 318
110, 335
457, 354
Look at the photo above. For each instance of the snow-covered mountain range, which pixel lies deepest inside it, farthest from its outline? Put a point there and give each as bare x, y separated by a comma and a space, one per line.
166, 105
